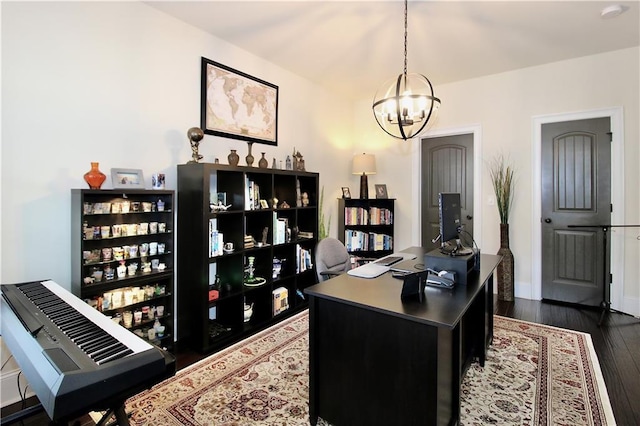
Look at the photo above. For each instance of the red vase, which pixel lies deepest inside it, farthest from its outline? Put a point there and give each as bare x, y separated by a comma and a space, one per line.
94, 177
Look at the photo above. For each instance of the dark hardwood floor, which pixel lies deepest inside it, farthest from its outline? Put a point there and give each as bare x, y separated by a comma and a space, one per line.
616, 342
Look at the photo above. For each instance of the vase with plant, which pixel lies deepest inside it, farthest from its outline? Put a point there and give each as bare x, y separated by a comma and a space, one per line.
323, 232
503, 185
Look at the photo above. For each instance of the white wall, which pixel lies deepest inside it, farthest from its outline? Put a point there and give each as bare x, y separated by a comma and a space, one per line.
119, 83
504, 106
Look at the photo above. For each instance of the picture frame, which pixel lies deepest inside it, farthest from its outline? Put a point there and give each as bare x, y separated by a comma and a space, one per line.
127, 178
381, 191
346, 193
237, 105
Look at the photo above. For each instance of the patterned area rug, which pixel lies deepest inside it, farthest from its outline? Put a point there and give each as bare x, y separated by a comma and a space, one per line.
534, 375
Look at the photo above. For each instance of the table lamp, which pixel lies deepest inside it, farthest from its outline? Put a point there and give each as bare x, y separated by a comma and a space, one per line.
363, 165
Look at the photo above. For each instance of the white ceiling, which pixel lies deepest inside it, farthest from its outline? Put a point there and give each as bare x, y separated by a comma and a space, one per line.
352, 47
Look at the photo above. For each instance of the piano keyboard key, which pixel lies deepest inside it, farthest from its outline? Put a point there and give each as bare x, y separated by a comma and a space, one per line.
91, 339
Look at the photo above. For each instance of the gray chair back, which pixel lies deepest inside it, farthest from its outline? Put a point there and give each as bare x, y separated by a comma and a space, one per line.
331, 257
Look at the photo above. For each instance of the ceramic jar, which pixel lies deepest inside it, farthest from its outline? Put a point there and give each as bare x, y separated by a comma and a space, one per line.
94, 177
263, 163
233, 158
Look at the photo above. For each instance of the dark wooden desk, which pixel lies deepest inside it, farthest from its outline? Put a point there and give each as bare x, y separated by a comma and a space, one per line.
374, 360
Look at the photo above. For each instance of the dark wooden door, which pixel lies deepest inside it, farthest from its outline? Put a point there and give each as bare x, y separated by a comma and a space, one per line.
447, 166
576, 199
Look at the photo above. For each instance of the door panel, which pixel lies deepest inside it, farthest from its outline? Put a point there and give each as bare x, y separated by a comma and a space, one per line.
446, 166
576, 200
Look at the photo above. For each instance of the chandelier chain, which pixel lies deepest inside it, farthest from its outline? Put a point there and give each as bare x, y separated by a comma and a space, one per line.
404, 108
405, 38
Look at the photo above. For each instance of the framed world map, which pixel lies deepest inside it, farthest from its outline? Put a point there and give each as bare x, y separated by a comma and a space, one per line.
238, 106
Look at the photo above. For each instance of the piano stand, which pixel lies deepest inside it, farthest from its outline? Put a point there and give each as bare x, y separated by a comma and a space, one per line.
122, 419
23, 414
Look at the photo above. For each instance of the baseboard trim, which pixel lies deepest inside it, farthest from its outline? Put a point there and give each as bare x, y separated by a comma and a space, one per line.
9, 387
523, 290
631, 306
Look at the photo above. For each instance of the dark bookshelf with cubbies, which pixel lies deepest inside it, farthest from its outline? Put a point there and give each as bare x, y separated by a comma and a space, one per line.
365, 226
245, 241
122, 250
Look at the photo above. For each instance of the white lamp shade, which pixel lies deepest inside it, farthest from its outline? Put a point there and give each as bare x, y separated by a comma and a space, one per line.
364, 163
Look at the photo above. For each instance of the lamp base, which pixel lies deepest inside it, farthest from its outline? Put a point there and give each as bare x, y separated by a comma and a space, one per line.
364, 187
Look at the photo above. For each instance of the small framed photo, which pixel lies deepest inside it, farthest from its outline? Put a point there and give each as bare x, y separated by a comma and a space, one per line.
127, 178
381, 191
263, 204
346, 193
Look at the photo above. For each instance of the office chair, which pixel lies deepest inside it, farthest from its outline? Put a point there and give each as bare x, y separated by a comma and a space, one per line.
333, 259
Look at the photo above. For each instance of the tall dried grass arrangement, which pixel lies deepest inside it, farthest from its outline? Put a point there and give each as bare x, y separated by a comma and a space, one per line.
503, 185
323, 231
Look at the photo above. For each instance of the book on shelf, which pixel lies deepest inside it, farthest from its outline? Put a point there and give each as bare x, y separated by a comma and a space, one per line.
248, 242
280, 300
356, 216
216, 239
251, 195
303, 259
380, 216
356, 240
367, 241
305, 234
280, 226
380, 242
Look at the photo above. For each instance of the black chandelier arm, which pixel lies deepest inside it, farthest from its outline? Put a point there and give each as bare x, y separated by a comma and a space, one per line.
399, 81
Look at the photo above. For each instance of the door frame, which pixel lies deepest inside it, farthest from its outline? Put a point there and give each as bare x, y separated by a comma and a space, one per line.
616, 239
416, 170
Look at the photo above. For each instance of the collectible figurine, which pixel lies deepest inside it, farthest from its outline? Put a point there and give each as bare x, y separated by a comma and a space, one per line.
219, 207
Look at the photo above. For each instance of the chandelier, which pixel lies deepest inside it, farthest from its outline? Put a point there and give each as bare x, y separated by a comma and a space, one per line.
404, 105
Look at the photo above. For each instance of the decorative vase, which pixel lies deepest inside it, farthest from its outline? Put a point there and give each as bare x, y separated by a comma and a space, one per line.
504, 271
233, 158
249, 158
263, 163
94, 177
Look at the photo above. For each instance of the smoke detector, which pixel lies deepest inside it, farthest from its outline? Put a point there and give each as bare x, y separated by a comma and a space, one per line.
612, 11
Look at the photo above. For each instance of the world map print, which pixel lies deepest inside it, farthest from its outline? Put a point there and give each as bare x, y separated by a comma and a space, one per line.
240, 107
